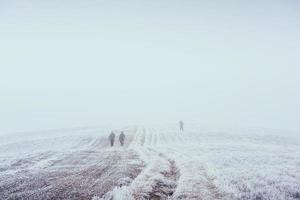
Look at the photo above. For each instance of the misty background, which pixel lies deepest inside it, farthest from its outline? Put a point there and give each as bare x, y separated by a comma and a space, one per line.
88, 63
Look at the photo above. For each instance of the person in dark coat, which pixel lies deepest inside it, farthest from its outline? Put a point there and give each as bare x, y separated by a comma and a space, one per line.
112, 138
181, 125
122, 138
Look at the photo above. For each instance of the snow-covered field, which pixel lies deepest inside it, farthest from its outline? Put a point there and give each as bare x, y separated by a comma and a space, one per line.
156, 162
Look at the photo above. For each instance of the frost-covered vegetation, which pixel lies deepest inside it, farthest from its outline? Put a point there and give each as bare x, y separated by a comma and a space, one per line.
155, 163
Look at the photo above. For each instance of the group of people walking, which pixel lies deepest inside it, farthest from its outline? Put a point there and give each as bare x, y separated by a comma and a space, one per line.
112, 137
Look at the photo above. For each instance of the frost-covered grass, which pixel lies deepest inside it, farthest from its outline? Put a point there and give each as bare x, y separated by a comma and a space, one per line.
254, 164
156, 163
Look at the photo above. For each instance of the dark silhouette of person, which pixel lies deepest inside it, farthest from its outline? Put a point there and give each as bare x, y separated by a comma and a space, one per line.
112, 138
122, 138
181, 125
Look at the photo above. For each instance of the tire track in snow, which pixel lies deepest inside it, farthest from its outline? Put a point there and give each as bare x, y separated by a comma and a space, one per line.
159, 178
165, 188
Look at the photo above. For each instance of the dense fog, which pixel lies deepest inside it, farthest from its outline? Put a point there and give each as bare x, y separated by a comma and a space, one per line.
92, 63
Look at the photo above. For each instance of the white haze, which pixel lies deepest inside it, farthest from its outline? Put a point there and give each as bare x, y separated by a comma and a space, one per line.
87, 63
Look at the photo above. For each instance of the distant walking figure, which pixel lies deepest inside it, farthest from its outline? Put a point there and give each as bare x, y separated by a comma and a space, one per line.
122, 138
112, 138
181, 125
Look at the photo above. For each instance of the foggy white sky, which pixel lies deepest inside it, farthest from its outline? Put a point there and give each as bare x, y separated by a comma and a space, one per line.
69, 63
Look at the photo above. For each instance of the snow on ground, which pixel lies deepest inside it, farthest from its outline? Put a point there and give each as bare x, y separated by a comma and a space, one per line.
156, 163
